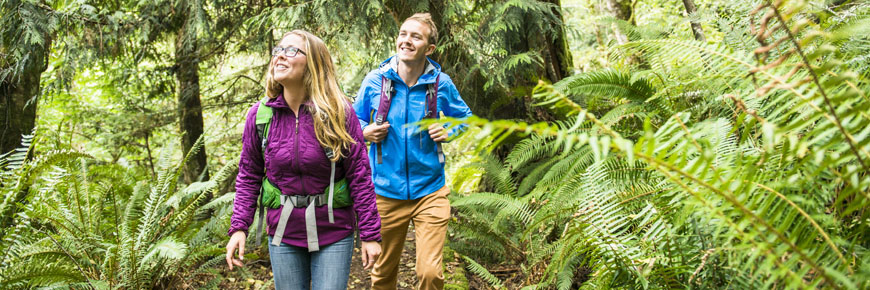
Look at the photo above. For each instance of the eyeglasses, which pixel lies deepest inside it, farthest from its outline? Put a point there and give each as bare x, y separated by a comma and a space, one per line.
288, 51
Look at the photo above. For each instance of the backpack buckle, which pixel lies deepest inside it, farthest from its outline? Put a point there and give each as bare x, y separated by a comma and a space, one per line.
298, 201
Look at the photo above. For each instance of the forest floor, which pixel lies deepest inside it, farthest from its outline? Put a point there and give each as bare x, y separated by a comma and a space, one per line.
258, 272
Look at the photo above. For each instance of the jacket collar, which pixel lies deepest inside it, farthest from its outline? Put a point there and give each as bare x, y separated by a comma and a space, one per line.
390, 67
279, 102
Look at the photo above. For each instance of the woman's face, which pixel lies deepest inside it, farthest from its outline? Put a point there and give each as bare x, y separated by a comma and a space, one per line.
289, 70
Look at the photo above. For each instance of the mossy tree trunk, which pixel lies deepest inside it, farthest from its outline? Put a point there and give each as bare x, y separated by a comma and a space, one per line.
189, 107
19, 95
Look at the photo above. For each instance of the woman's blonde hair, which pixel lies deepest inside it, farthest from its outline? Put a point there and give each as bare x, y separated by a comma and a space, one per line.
321, 85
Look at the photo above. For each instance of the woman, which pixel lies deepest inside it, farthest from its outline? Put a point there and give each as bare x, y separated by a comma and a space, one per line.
310, 118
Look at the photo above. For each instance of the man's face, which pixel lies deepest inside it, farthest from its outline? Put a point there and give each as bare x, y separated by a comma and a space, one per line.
413, 41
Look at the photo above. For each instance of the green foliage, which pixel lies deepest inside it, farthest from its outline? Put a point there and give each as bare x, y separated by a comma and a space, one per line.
668, 163
759, 181
96, 224
479, 270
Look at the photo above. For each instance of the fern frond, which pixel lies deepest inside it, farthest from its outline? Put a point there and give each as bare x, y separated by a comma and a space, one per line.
609, 84
528, 150
511, 205
482, 272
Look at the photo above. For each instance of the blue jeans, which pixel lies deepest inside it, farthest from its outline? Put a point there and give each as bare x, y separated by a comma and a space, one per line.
294, 268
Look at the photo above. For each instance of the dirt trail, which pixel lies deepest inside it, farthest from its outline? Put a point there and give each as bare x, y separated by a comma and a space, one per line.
260, 272
360, 279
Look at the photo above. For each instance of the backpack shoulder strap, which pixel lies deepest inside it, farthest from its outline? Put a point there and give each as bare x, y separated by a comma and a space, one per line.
432, 99
264, 119
432, 111
387, 91
329, 155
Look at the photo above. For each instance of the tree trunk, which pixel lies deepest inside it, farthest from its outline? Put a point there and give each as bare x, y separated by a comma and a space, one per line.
557, 54
620, 9
19, 95
696, 27
189, 108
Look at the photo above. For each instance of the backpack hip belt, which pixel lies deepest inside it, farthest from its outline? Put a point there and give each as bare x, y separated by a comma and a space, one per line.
309, 202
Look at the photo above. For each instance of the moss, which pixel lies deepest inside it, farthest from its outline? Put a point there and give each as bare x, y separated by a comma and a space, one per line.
456, 279
454, 271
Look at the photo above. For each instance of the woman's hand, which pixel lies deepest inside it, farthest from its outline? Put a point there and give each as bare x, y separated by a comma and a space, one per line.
370, 252
237, 240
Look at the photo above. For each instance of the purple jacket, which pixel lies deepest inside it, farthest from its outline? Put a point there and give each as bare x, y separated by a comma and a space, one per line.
296, 164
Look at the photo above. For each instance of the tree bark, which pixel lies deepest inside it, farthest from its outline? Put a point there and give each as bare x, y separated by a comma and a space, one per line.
558, 53
696, 27
19, 95
189, 108
620, 9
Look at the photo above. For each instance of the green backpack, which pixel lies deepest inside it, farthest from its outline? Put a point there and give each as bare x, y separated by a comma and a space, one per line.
270, 195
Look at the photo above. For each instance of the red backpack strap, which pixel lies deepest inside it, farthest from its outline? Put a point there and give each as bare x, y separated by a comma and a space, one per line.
432, 111
387, 91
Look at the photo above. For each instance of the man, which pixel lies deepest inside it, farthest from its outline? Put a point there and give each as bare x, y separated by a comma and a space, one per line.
408, 171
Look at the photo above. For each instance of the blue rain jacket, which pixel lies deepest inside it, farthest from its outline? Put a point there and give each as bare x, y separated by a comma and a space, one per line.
410, 168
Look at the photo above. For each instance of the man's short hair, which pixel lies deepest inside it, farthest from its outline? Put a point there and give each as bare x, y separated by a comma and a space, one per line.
426, 19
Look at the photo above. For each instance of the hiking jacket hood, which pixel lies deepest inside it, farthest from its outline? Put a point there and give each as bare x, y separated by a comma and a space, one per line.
410, 168
296, 163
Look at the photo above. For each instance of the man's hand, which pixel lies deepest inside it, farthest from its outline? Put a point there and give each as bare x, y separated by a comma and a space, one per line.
376, 133
370, 252
437, 132
237, 241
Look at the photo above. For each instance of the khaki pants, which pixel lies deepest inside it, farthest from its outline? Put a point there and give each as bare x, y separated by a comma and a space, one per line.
430, 215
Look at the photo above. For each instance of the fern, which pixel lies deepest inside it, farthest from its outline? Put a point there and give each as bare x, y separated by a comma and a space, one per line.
608, 84
481, 271
754, 185
145, 243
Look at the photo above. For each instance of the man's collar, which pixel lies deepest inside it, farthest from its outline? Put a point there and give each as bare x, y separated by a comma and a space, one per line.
394, 64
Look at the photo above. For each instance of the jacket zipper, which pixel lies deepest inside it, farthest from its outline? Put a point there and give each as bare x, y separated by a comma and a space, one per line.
296, 145
407, 140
